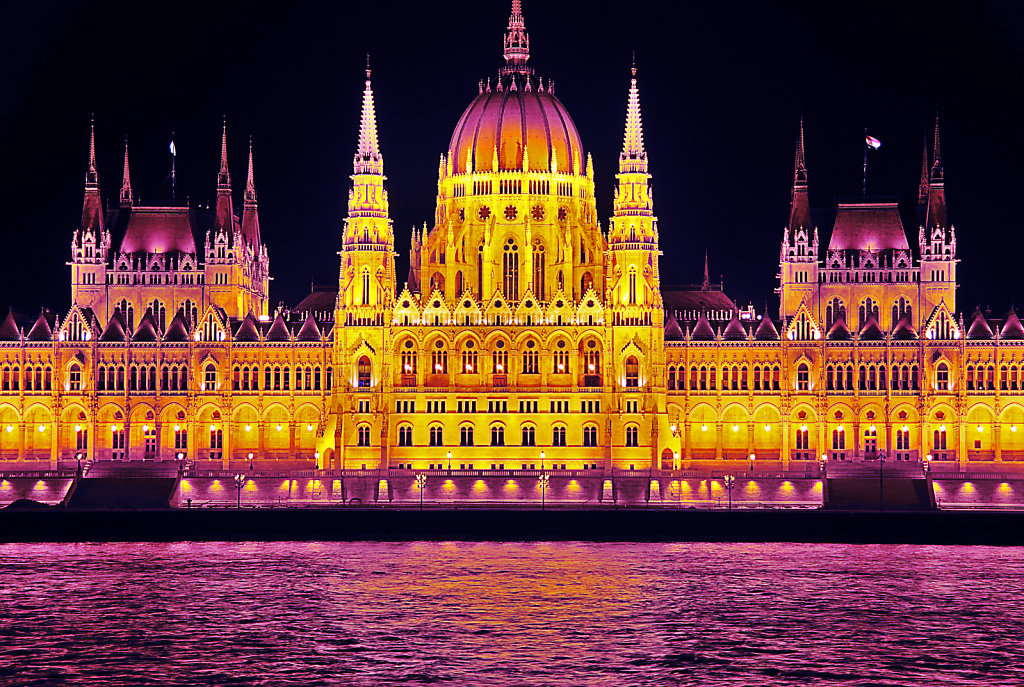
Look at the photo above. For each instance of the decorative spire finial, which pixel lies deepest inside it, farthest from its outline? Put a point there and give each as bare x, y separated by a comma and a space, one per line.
250, 186
633, 157
706, 285
126, 180
367, 66
224, 176
922, 186
368, 159
517, 42
936, 151
800, 162
92, 176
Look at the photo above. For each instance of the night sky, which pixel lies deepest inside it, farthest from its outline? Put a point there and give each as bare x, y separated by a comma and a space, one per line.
721, 86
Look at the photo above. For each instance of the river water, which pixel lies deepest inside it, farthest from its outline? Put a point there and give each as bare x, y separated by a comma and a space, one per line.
510, 614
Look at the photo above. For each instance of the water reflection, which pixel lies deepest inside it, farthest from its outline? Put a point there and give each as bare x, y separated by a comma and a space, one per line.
509, 614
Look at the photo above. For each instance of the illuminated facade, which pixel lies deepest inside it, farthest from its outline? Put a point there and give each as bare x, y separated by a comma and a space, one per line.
526, 336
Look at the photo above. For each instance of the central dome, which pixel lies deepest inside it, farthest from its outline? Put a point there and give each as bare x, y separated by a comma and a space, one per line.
514, 119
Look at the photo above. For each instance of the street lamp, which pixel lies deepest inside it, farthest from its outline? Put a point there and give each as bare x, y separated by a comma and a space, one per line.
544, 478
730, 482
752, 462
675, 460
449, 461
542, 461
239, 481
421, 482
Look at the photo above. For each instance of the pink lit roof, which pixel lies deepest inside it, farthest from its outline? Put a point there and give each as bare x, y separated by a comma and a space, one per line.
868, 226
509, 118
159, 230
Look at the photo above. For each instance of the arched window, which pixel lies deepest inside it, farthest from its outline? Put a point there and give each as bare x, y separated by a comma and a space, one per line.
405, 435
558, 435
531, 358
942, 377
586, 281
364, 370
439, 358
672, 378
497, 435
560, 361
632, 372
209, 377
436, 435
939, 439
510, 270
458, 283
466, 435
803, 439
74, 377
803, 377
499, 359
590, 435
366, 286
839, 438
538, 269
363, 432
529, 435
632, 284
469, 358
632, 435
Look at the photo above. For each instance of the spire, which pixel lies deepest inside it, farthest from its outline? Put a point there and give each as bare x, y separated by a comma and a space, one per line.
225, 218
922, 186
92, 203
250, 187
799, 209
935, 216
224, 177
517, 42
368, 159
633, 157
250, 215
126, 180
92, 177
706, 285
936, 174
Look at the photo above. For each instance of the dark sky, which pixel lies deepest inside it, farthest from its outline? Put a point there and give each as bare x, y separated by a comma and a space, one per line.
722, 86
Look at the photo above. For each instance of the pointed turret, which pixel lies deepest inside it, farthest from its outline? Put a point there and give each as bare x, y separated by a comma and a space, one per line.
706, 284
368, 159
250, 213
126, 180
225, 218
92, 205
799, 209
936, 215
922, 186
517, 43
633, 157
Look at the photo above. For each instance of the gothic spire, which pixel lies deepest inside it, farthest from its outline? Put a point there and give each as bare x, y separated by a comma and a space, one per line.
92, 178
633, 157
126, 180
706, 285
225, 218
224, 176
368, 159
517, 42
922, 186
936, 174
92, 203
799, 209
250, 215
250, 187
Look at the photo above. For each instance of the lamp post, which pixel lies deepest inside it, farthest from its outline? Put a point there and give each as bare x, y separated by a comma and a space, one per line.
881, 503
752, 462
730, 482
544, 477
449, 461
421, 482
239, 481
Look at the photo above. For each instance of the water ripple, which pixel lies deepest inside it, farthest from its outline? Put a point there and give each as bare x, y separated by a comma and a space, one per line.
509, 615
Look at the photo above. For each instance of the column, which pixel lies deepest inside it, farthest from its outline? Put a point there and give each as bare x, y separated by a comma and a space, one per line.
997, 440
684, 450
856, 441
226, 444
158, 428
21, 445
718, 440
961, 452
261, 427
888, 438
750, 438
785, 444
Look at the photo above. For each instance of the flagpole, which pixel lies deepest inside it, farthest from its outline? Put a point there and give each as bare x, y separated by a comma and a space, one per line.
864, 184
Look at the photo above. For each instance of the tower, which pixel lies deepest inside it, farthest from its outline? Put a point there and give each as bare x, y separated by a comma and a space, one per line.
632, 290
91, 242
936, 238
366, 292
257, 262
798, 259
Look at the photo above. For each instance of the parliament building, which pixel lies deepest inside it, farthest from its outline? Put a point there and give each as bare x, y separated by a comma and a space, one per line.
526, 336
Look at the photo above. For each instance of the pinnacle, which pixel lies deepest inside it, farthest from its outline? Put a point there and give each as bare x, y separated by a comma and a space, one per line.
633, 157
224, 176
368, 158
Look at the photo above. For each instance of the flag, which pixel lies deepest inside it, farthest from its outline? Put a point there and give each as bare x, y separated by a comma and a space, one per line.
174, 152
872, 142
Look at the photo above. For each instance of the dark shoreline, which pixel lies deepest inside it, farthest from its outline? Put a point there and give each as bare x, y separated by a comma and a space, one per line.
625, 525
